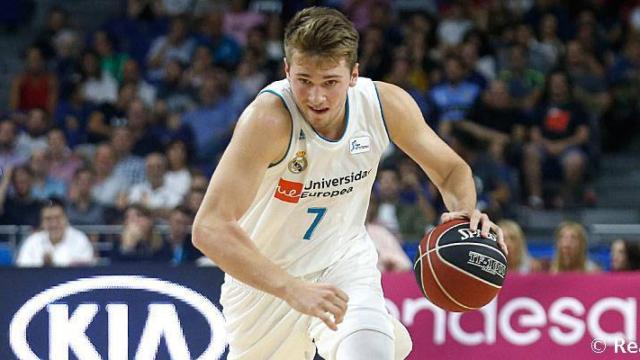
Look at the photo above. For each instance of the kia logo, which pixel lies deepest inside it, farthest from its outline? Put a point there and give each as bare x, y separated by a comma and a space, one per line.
67, 331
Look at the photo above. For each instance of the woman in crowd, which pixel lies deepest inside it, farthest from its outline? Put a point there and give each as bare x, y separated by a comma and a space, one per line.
571, 250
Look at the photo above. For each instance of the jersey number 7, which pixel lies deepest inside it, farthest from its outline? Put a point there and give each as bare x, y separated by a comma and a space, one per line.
319, 212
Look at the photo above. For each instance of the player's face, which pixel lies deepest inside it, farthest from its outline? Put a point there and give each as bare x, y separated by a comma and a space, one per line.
320, 87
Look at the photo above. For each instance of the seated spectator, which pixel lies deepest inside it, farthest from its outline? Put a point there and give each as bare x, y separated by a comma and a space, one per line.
128, 165
108, 185
45, 185
170, 127
374, 57
212, 122
132, 75
72, 115
250, 75
36, 87
224, 50
107, 116
453, 98
550, 43
571, 249
138, 241
58, 244
558, 138
537, 58
587, 76
98, 87
35, 135
194, 198
492, 184
518, 260
111, 61
493, 120
81, 208
408, 76
471, 62
179, 237
10, 154
63, 162
138, 121
19, 207
621, 124
155, 193
406, 217
525, 83
57, 22
391, 257
239, 19
201, 65
173, 90
68, 46
625, 255
178, 176
175, 45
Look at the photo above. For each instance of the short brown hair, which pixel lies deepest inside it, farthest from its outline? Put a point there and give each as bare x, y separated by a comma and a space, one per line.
323, 32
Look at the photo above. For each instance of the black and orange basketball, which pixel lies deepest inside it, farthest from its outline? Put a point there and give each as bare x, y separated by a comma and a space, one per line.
458, 269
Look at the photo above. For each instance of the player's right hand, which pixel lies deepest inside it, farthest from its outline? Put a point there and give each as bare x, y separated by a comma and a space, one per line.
324, 301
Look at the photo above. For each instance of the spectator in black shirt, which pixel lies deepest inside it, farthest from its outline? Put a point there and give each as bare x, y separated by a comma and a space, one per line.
18, 208
558, 135
179, 237
138, 241
495, 121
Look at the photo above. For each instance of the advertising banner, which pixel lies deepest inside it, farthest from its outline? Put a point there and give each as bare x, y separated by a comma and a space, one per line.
541, 316
115, 313
161, 312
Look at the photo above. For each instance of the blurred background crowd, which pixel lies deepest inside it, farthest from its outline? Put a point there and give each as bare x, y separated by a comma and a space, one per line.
115, 113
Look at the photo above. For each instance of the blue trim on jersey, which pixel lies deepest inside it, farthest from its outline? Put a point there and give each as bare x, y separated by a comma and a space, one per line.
384, 122
346, 127
291, 131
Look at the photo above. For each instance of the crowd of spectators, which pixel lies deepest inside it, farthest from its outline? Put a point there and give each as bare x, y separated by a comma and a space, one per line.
127, 120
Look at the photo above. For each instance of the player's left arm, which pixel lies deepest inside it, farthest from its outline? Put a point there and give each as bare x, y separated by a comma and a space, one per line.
449, 173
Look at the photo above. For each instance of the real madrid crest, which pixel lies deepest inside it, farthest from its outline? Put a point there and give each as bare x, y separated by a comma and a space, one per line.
299, 163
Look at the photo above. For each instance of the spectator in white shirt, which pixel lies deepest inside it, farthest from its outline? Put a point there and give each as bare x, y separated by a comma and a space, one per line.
58, 244
155, 193
178, 177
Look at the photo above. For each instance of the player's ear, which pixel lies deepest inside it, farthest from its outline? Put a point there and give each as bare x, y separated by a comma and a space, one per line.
354, 75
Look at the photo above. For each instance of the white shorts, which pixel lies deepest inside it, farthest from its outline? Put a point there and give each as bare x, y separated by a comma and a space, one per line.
261, 326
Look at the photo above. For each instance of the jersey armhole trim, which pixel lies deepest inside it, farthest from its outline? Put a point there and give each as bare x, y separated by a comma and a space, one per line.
291, 130
384, 122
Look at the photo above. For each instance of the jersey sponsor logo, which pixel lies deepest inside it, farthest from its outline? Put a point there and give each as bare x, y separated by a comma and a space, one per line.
360, 144
299, 163
337, 181
331, 187
288, 191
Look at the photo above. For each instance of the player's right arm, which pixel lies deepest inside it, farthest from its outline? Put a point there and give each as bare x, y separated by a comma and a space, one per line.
261, 138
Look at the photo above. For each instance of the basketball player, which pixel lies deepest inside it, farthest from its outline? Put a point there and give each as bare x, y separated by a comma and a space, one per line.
285, 210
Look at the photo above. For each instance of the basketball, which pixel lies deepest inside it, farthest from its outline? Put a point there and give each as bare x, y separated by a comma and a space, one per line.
457, 269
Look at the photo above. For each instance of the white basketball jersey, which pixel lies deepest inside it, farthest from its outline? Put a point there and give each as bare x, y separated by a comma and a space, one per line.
312, 205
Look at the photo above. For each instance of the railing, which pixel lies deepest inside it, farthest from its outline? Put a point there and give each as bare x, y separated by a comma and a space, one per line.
605, 233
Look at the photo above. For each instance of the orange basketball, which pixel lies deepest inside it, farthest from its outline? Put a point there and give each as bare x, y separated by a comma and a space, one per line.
458, 269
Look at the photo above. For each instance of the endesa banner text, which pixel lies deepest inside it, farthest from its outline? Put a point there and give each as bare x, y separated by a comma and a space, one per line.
538, 316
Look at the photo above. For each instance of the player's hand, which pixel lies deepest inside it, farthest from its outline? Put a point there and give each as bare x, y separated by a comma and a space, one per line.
324, 301
477, 220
